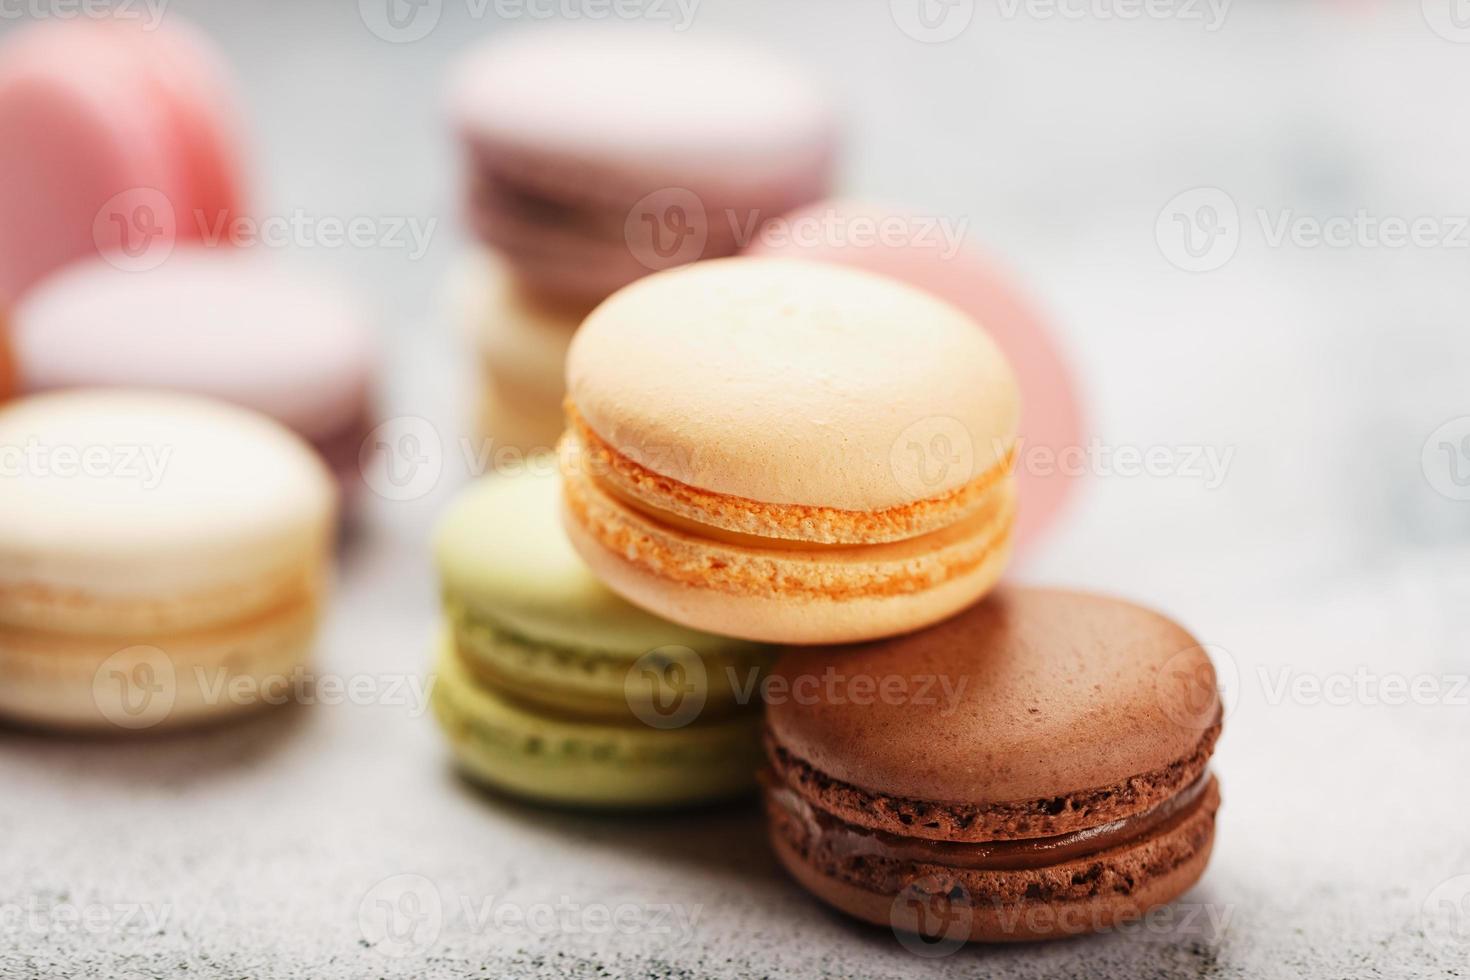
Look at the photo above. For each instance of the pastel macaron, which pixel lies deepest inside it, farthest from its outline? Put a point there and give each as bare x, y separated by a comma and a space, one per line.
162, 558
7, 360
912, 247
552, 688
596, 156
1034, 768
521, 340
115, 137
226, 323
789, 451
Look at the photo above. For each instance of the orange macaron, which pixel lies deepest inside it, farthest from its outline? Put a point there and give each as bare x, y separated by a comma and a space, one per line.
787, 451
7, 359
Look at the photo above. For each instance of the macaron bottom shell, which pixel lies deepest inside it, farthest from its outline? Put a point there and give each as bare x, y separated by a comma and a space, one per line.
547, 758
101, 684
588, 683
785, 595
1117, 887
519, 417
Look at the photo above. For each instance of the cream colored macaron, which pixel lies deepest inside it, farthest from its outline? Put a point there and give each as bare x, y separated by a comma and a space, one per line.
521, 339
162, 556
789, 451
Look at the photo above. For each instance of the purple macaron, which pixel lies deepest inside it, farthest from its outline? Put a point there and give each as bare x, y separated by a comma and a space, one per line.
597, 156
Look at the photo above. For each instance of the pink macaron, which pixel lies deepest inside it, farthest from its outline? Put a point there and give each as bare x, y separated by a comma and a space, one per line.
113, 138
597, 156
910, 247
224, 322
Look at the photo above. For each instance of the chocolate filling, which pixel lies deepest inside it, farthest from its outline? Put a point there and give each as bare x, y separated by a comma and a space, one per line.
843, 840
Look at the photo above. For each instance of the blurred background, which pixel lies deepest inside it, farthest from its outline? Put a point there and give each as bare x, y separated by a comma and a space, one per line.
1248, 224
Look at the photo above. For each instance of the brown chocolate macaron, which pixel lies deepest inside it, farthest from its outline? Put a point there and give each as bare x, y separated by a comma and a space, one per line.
1035, 767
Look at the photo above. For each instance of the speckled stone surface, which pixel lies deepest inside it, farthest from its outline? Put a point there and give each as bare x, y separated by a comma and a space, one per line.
332, 841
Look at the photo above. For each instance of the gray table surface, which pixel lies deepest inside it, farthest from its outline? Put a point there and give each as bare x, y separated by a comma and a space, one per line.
1327, 567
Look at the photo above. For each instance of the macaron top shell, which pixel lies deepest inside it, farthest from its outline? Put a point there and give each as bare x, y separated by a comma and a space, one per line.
115, 493
220, 322
1029, 695
500, 549
793, 382
646, 102
95, 108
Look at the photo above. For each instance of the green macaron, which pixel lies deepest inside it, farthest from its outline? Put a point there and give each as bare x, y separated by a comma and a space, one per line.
552, 687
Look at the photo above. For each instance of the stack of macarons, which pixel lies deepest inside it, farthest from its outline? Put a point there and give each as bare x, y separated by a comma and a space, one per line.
594, 157
163, 559
819, 456
120, 186
553, 688
166, 477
